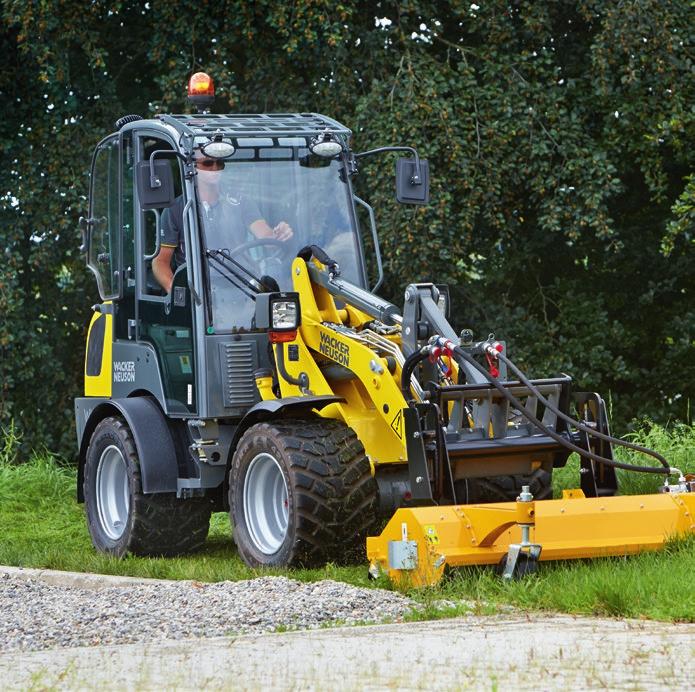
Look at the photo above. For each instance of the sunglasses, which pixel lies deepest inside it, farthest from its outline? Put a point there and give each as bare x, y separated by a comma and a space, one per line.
210, 164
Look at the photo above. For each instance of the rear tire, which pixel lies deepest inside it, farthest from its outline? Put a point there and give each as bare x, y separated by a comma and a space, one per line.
301, 492
504, 488
121, 519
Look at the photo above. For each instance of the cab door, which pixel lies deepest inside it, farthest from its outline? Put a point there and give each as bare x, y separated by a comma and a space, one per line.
165, 320
104, 247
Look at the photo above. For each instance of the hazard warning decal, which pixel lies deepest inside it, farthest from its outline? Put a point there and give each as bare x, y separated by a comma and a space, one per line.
397, 424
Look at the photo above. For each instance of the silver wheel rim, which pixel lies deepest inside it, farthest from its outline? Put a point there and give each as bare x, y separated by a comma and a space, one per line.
266, 503
113, 493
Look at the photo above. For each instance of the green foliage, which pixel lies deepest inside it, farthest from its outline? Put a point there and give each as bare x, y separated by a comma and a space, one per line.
10, 444
558, 135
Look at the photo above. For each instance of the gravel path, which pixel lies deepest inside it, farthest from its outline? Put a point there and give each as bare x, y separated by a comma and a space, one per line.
37, 615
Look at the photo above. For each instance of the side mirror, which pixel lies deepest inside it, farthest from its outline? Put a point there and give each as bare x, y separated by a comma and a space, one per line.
408, 189
159, 195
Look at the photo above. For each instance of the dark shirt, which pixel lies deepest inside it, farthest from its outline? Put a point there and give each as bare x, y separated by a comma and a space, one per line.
226, 224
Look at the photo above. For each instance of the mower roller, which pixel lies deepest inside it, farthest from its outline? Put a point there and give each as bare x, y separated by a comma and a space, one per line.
240, 360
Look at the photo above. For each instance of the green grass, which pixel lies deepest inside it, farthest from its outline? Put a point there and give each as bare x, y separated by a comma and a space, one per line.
676, 443
41, 525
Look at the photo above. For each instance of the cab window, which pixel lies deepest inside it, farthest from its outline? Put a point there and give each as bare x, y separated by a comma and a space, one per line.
104, 246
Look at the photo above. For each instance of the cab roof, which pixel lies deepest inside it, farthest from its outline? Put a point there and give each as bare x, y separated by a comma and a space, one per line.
254, 124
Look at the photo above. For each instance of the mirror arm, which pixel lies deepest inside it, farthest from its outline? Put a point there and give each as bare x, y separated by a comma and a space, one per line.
416, 179
155, 182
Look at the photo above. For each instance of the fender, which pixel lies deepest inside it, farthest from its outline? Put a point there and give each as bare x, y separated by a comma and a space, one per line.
290, 407
153, 441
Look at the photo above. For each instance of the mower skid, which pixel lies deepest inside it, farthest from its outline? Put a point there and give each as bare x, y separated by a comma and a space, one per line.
419, 542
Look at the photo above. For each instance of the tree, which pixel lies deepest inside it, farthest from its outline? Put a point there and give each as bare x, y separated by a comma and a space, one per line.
557, 135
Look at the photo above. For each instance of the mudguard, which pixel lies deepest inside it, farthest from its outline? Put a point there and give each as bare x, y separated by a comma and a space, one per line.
288, 407
153, 441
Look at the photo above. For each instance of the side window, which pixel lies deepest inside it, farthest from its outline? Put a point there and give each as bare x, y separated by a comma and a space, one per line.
104, 246
151, 220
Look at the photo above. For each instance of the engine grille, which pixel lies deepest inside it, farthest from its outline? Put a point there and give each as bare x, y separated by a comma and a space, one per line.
237, 362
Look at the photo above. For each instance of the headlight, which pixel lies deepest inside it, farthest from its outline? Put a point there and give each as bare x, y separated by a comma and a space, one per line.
279, 313
284, 315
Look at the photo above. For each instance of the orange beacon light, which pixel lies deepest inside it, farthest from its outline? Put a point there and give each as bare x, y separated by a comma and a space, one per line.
201, 91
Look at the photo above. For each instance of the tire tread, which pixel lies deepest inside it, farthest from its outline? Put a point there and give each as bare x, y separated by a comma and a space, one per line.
336, 493
159, 524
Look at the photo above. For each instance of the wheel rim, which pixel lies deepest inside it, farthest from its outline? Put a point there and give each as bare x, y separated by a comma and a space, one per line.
112, 492
266, 503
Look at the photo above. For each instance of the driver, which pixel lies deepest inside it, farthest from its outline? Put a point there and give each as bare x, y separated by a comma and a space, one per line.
225, 217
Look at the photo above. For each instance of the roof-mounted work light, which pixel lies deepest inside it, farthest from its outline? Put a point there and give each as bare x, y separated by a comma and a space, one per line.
201, 91
218, 147
325, 145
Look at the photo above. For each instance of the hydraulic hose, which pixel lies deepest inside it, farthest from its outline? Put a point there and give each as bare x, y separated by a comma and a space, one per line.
411, 362
457, 350
578, 424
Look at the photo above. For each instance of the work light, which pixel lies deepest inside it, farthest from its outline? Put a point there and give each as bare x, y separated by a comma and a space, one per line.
218, 148
284, 317
325, 145
283, 314
279, 313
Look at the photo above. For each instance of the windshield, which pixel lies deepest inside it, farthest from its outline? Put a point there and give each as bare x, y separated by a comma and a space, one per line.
268, 201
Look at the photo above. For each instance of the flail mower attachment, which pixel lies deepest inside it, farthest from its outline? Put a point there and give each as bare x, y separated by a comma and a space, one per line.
418, 543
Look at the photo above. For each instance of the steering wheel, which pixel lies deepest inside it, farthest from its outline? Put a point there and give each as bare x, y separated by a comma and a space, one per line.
283, 249
275, 263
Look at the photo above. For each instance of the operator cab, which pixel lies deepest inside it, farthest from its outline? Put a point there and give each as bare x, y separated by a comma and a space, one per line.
195, 347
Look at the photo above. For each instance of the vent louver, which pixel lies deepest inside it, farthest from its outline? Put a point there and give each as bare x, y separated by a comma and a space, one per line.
237, 361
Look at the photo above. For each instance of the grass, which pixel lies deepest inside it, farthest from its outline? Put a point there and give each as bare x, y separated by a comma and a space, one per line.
676, 443
41, 525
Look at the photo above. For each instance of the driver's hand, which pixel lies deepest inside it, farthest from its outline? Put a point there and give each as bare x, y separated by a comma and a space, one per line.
283, 231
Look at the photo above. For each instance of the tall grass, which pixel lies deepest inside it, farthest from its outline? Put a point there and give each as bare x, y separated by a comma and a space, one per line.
675, 442
42, 525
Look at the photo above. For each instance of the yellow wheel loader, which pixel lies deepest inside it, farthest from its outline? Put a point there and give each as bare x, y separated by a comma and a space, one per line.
240, 360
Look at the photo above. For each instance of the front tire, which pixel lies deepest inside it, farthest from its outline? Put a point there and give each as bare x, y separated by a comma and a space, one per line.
300, 492
121, 519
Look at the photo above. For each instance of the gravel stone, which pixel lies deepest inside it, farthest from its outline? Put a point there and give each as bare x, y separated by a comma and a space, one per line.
39, 616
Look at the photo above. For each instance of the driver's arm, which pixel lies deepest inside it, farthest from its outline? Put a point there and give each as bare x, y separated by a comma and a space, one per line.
161, 267
171, 230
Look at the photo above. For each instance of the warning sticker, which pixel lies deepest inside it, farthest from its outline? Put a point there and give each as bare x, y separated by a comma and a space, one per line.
431, 534
185, 362
397, 425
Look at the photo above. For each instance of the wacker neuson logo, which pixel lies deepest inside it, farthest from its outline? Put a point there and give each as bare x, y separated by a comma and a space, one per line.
336, 350
124, 371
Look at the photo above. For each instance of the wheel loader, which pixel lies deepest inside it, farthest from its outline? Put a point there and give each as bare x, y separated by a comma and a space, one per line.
260, 373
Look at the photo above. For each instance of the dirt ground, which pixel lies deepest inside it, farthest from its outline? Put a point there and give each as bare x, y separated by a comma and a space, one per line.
495, 652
